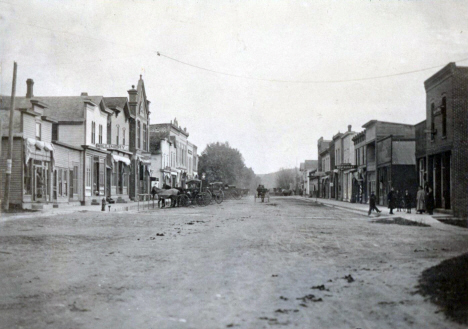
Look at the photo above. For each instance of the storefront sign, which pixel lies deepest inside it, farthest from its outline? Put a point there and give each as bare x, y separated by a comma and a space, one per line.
113, 146
345, 166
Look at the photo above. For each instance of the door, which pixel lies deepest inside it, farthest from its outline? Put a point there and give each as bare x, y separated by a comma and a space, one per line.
40, 181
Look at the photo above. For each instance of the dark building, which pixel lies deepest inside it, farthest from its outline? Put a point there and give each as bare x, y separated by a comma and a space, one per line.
442, 150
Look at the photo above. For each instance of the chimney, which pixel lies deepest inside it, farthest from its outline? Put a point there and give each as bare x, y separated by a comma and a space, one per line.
84, 94
349, 127
30, 87
132, 93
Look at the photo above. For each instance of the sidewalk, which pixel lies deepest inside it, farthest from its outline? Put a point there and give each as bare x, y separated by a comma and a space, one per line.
364, 209
115, 207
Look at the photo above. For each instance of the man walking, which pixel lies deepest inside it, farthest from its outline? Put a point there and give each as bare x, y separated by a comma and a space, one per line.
372, 206
391, 200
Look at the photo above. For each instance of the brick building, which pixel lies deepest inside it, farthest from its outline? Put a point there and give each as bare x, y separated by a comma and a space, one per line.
442, 150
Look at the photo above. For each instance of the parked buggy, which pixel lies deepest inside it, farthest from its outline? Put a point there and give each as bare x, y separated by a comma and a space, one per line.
216, 191
193, 194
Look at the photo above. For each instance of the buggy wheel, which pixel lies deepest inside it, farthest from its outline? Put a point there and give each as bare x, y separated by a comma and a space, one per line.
207, 198
209, 195
184, 201
200, 200
236, 195
218, 197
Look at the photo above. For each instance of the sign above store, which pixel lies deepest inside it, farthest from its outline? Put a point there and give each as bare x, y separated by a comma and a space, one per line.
345, 166
113, 146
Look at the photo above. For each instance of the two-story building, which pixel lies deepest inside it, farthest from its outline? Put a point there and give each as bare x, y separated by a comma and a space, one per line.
359, 141
173, 157
45, 172
385, 162
347, 167
443, 144
139, 123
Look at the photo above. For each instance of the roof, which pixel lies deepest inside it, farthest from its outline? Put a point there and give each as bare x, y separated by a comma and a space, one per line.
20, 103
115, 102
310, 164
70, 108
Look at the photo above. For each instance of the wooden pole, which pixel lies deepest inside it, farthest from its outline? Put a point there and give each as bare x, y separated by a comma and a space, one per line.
6, 198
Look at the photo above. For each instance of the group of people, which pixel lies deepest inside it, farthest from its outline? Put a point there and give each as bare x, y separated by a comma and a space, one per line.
399, 201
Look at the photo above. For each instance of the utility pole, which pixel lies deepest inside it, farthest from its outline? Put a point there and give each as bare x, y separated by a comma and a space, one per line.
6, 198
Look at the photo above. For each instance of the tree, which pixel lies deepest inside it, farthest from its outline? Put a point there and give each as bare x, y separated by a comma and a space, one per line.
222, 163
284, 178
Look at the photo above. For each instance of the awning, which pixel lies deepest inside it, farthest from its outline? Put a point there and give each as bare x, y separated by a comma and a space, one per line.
120, 158
31, 147
336, 171
143, 161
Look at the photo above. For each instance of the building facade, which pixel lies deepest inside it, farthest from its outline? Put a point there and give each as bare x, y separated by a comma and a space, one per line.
174, 158
442, 150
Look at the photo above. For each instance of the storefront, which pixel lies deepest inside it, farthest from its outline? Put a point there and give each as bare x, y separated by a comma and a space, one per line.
37, 167
66, 183
94, 174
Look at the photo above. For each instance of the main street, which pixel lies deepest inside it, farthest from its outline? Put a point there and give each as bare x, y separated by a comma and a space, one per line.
288, 263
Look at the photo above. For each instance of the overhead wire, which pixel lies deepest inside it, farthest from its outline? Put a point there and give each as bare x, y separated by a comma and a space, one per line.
203, 68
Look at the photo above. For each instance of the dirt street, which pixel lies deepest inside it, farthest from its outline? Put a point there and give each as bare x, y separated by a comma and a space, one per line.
289, 263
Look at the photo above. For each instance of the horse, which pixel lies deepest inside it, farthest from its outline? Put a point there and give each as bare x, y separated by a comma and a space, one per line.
164, 194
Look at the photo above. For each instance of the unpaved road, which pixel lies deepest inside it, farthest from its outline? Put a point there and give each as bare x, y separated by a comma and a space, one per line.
239, 264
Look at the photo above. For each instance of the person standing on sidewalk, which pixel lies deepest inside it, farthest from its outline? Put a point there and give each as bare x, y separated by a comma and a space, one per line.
391, 200
372, 206
420, 202
408, 202
398, 200
429, 201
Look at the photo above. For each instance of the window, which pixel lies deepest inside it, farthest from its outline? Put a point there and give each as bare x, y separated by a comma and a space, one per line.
93, 132
71, 182
74, 182
123, 136
100, 134
117, 135
38, 131
115, 169
65, 182
432, 122
444, 116
88, 172
60, 187
138, 134
145, 137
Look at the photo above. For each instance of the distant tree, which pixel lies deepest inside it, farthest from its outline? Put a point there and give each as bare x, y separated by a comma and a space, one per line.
284, 178
222, 163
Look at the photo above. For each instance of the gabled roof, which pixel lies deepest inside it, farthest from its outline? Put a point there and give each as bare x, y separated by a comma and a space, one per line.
118, 104
21, 103
70, 108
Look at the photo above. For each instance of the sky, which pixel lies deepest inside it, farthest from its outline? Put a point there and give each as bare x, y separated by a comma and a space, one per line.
269, 77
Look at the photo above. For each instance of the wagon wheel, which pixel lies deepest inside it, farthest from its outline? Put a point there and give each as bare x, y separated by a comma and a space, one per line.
209, 195
219, 197
236, 195
207, 198
184, 200
200, 200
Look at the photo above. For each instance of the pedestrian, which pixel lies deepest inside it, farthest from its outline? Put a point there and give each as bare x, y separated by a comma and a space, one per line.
429, 201
154, 191
391, 200
372, 205
408, 202
398, 200
420, 200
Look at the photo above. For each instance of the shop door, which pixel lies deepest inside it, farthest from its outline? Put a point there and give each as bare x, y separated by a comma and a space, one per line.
40, 182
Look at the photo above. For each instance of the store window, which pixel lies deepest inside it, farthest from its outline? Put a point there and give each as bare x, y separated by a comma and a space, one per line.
88, 172
60, 187
27, 178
